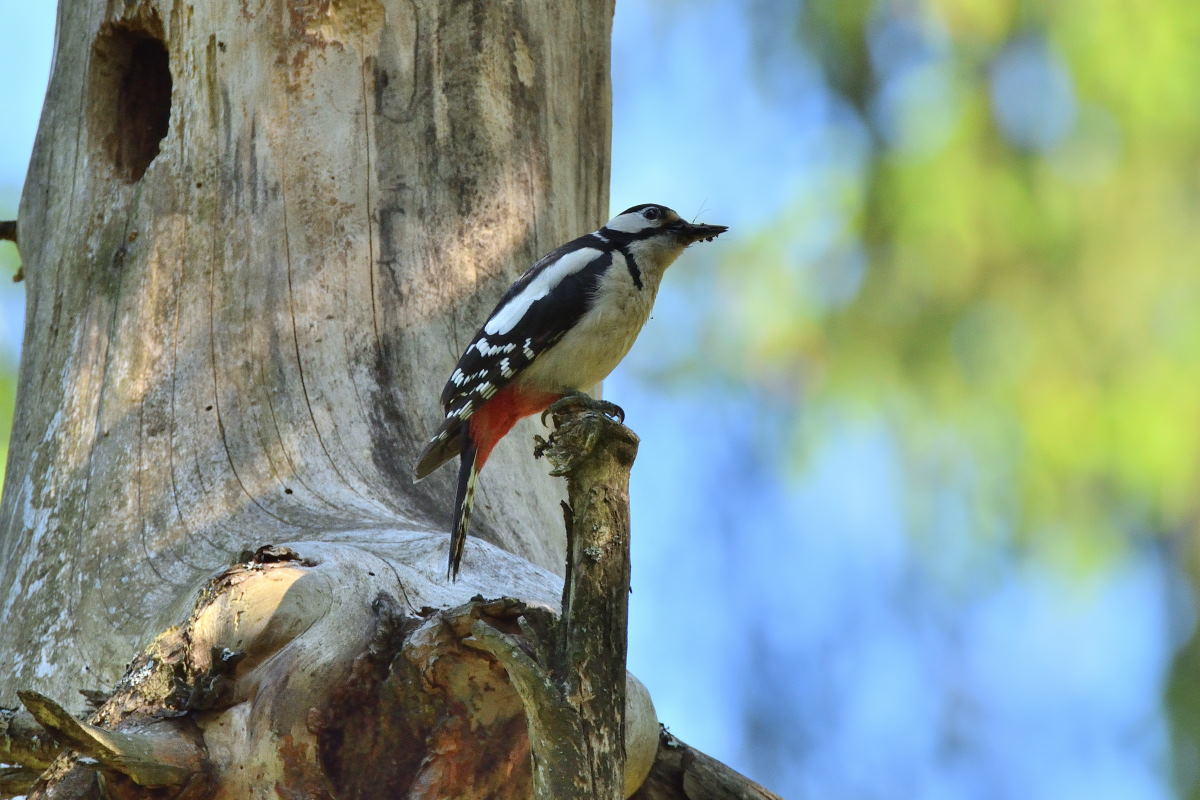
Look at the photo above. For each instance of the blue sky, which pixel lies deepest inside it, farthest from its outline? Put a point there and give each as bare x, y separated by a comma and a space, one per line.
25, 42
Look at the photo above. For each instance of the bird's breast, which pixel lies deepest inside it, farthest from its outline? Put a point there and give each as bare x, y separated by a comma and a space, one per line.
594, 346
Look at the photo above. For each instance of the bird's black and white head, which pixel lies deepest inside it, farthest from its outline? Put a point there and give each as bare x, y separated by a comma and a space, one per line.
655, 235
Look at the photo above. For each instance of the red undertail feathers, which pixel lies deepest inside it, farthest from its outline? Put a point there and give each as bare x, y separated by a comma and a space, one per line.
480, 433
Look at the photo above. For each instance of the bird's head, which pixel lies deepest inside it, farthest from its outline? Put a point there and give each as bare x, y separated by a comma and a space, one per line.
655, 234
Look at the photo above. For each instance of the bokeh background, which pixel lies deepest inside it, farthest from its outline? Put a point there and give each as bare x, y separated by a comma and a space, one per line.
916, 503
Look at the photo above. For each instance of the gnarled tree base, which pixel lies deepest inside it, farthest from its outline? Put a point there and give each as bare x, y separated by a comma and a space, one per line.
310, 670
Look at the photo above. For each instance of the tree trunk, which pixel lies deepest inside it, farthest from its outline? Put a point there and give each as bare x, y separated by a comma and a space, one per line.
255, 237
238, 332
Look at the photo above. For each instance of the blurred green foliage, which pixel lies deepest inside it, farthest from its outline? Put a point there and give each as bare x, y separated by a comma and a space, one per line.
1014, 278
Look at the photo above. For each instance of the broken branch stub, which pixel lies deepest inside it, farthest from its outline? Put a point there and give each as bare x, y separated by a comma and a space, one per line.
595, 607
23, 741
682, 772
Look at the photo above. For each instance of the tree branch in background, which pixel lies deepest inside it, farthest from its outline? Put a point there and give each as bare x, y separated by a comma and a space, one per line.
682, 772
8, 233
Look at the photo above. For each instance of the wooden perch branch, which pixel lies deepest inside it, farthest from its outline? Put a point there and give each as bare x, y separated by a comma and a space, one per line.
575, 699
595, 454
573, 686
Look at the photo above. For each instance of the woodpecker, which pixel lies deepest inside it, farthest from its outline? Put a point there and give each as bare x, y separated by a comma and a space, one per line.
559, 329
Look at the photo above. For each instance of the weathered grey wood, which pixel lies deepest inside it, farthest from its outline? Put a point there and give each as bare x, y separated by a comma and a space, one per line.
246, 343
158, 753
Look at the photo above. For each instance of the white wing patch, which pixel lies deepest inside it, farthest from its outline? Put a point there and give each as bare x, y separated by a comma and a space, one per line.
511, 313
632, 222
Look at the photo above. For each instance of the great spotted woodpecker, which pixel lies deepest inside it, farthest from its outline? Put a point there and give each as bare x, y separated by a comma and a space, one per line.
560, 329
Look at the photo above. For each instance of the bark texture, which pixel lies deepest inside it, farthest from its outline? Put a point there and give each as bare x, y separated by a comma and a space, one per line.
255, 236
595, 455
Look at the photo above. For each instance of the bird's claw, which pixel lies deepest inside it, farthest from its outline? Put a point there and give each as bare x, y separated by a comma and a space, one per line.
612, 410
578, 401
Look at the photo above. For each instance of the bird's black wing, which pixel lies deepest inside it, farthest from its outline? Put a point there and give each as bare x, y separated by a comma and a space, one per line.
491, 360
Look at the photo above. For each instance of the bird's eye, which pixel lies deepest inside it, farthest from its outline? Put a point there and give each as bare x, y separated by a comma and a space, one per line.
651, 213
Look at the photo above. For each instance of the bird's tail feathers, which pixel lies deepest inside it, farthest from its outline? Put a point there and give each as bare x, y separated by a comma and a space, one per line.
444, 445
468, 472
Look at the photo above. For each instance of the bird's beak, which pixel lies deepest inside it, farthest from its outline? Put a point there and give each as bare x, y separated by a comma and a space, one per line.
692, 233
